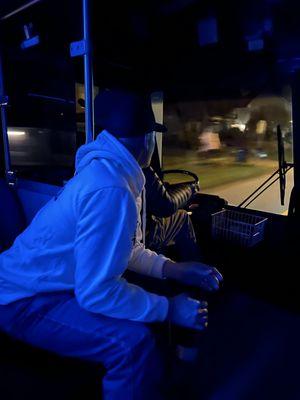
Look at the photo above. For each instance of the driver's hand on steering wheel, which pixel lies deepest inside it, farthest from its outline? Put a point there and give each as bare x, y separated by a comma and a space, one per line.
195, 187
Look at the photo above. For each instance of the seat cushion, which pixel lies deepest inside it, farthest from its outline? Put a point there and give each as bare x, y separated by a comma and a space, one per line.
39, 374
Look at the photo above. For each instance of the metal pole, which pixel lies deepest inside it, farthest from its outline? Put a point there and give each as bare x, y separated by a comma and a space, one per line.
88, 74
7, 161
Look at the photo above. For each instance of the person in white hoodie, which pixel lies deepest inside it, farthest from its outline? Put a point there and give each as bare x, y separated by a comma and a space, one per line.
61, 282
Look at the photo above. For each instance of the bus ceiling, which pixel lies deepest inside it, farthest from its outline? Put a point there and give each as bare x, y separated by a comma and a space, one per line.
200, 48
187, 48
10, 8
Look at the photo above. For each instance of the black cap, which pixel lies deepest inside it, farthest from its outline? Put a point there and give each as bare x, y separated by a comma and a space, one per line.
125, 113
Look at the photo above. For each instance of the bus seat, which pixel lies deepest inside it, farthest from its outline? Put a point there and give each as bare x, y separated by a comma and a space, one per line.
39, 373
34, 195
12, 218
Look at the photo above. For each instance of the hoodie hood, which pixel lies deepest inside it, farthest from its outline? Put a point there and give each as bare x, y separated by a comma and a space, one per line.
106, 146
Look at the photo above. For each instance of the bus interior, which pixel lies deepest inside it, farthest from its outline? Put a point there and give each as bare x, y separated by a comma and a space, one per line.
225, 78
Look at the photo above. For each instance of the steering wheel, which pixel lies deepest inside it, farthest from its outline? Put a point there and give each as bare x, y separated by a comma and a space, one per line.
194, 181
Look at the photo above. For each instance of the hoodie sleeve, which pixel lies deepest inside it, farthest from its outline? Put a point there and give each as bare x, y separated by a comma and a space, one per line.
104, 237
146, 262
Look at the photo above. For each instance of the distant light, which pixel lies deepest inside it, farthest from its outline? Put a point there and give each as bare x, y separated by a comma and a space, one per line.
16, 133
241, 127
261, 127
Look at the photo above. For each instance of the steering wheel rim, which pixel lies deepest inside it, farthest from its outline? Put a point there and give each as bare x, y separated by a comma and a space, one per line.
195, 180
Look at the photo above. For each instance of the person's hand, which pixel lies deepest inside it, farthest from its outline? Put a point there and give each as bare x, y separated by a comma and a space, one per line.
187, 312
194, 274
195, 187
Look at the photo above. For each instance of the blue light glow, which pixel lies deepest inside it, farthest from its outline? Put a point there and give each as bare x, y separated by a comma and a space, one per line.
34, 41
207, 31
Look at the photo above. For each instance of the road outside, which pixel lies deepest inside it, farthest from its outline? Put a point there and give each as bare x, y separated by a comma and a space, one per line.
269, 201
231, 180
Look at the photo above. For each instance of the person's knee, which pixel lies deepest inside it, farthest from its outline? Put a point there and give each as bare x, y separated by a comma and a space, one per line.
136, 365
134, 344
145, 354
142, 340
142, 353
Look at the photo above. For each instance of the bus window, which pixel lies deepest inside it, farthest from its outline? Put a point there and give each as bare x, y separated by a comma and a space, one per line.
39, 79
231, 144
80, 112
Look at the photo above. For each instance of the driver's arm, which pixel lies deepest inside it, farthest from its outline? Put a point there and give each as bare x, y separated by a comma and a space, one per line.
164, 201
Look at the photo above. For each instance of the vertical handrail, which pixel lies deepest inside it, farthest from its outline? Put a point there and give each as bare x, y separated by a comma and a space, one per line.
88, 73
7, 160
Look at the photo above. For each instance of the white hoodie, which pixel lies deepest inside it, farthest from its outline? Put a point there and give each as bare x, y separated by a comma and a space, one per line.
84, 239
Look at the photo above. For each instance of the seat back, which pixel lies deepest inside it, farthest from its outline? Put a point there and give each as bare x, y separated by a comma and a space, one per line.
12, 218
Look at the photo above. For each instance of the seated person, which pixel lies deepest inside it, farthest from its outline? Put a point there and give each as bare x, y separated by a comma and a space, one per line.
61, 282
166, 220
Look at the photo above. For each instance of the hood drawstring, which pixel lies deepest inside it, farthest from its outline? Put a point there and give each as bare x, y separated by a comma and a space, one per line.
144, 217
